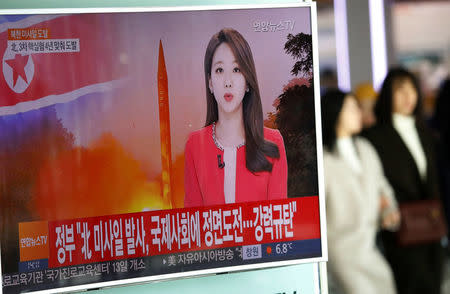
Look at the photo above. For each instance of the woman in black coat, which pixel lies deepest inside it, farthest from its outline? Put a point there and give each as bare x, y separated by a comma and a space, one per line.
406, 150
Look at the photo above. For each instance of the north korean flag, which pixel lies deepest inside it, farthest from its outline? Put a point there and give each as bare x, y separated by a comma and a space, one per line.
34, 80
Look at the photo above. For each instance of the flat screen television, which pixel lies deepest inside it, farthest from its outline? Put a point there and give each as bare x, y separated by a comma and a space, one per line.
143, 144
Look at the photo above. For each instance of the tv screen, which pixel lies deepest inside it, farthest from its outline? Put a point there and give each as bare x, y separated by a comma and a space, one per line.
157, 143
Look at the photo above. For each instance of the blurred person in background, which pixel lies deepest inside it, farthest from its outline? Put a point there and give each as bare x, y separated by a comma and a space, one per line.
328, 79
406, 150
359, 201
441, 123
366, 96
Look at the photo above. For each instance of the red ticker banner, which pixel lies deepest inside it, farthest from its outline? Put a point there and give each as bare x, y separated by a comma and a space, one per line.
138, 146
180, 230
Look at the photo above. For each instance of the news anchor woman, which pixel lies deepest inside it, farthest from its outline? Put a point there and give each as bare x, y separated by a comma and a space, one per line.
234, 158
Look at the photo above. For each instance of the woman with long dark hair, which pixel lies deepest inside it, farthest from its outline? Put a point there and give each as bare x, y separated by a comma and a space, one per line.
406, 150
234, 158
359, 200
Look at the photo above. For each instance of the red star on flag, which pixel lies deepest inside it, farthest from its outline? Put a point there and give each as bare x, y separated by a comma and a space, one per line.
18, 66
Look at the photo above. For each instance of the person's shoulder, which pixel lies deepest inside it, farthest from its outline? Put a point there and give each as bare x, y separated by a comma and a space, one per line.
364, 145
362, 142
199, 135
273, 135
425, 130
330, 161
327, 155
